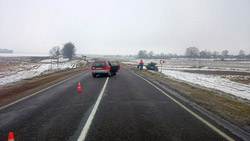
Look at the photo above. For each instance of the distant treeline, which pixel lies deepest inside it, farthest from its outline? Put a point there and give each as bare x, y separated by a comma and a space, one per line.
193, 52
6, 51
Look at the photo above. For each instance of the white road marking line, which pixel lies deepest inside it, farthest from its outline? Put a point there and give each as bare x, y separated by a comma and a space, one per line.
92, 114
191, 112
19, 100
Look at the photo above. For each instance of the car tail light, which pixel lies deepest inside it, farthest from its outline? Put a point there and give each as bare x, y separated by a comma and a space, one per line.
93, 68
104, 68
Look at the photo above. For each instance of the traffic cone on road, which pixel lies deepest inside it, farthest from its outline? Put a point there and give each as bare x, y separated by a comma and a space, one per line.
79, 89
11, 136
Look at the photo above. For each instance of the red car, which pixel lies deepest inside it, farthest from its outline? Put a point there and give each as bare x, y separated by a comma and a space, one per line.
104, 67
101, 67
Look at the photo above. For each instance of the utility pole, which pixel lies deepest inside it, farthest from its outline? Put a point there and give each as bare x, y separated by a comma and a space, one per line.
57, 55
51, 63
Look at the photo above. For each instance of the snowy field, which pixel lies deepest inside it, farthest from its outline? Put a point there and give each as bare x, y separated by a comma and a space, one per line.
22, 71
212, 81
185, 64
175, 69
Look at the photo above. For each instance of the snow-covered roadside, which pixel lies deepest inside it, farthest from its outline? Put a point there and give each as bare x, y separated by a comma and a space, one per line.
30, 71
168, 67
185, 64
61, 60
211, 81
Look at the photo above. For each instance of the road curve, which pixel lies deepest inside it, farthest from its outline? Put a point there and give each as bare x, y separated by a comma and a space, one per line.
129, 109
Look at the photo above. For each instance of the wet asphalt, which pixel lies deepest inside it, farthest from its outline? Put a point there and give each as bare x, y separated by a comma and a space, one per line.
130, 109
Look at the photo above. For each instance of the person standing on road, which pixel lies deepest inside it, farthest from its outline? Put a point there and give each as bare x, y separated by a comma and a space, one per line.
141, 64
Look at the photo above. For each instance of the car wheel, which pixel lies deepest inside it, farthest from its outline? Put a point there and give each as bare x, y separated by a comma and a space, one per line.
94, 75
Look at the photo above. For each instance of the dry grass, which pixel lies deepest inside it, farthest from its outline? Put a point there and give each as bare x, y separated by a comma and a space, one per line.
229, 108
239, 78
8, 65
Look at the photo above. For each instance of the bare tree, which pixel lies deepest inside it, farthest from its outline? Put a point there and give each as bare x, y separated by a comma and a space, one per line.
142, 54
170, 55
224, 53
215, 54
68, 50
241, 53
162, 55
192, 52
55, 51
205, 54
150, 54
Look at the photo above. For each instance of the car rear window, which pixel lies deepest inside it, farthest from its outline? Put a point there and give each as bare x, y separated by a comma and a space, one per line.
114, 64
99, 64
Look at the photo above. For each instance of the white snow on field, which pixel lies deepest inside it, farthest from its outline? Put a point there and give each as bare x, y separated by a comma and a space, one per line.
29, 71
185, 64
214, 82
55, 60
174, 67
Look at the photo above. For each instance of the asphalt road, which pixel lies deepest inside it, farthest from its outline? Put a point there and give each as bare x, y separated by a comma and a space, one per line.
130, 109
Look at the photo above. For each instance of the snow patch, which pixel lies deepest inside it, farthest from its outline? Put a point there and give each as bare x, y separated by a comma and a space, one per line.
28, 71
174, 68
214, 82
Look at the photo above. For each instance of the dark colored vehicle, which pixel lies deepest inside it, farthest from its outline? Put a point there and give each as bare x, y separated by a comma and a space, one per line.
115, 67
100, 68
152, 66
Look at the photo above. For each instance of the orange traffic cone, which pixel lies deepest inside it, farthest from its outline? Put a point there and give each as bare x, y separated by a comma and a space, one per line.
79, 89
11, 136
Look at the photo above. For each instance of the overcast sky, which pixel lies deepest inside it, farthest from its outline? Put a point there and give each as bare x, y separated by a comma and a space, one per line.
125, 26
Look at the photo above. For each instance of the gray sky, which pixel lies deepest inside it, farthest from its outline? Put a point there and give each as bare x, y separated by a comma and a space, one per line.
125, 26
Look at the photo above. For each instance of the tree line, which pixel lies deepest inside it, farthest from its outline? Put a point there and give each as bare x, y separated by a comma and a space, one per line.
68, 51
143, 54
193, 52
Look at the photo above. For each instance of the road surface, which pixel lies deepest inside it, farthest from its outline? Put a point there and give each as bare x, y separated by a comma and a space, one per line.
129, 108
